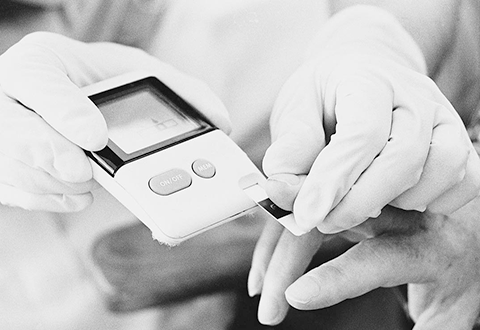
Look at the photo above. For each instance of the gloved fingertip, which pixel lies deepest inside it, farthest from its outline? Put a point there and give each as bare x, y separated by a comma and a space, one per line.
72, 167
286, 178
307, 214
94, 138
283, 189
84, 125
95, 143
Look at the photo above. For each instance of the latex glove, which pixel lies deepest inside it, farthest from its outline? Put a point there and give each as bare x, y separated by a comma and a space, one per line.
42, 164
438, 254
369, 129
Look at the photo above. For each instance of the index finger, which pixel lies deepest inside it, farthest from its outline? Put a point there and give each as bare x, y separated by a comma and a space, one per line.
297, 126
378, 262
363, 110
291, 257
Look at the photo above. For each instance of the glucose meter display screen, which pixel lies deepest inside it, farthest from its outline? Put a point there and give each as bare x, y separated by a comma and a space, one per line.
141, 119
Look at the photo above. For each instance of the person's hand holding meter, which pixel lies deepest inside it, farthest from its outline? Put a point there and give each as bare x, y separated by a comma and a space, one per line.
369, 128
46, 120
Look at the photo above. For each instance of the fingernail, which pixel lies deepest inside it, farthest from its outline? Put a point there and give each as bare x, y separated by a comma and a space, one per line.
303, 291
254, 283
268, 312
290, 179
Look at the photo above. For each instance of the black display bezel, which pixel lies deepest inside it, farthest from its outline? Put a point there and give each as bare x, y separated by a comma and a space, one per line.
112, 157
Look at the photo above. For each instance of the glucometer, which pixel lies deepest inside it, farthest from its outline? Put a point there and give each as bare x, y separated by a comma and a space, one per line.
167, 163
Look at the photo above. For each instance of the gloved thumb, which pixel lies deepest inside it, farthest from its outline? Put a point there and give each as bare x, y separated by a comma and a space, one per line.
44, 72
38, 73
297, 138
283, 189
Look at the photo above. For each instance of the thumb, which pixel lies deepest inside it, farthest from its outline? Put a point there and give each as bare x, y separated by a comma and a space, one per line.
378, 262
35, 73
297, 127
44, 72
298, 137
283, 189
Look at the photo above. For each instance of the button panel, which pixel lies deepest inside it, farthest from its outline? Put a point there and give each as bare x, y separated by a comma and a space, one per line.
203, 168
170, 182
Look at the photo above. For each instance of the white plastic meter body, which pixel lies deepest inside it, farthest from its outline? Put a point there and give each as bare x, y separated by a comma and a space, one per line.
166, 162
169, 165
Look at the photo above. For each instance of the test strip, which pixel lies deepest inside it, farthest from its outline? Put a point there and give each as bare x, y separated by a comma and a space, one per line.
285, 218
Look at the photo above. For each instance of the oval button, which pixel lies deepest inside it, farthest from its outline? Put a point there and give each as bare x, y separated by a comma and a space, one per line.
170, 182
203, 168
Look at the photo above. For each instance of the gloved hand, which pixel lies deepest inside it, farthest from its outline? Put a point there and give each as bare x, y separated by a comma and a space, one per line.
437, 254
369, 128
45, 119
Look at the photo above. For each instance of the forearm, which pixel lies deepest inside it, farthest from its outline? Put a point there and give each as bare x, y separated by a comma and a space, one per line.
447, 32
432, 23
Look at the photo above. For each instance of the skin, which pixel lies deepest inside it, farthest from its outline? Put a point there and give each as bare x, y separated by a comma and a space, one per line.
447, 245
437, 254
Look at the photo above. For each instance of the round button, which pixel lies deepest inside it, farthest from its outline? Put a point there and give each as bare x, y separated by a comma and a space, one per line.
170, 182
203, 168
